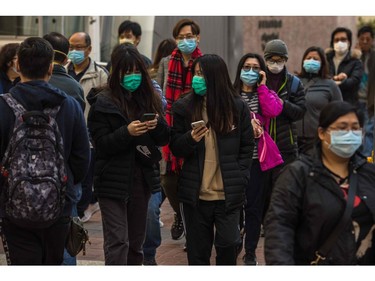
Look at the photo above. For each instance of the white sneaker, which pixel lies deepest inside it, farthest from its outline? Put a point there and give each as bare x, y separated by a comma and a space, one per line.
161, 223
91, 209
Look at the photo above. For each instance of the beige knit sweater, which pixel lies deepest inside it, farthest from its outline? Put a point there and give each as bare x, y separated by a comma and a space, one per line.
212, 187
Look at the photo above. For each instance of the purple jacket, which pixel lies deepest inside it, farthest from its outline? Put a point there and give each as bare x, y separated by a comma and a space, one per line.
270, 107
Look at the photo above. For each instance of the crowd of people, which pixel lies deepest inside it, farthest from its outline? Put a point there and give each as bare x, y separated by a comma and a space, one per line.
273, 153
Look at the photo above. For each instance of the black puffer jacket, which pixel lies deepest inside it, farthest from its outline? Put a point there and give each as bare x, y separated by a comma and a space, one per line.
306, 204
353, 68
235, 154
115, 149
283, 128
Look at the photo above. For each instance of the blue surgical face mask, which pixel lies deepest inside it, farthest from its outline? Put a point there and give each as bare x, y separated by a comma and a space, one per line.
345, 143
199, 85
131, 82
187, 46
250, 77
311, 66
77, 57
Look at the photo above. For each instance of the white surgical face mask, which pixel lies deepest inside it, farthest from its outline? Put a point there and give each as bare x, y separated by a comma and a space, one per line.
275, 68
126, 40
340, 47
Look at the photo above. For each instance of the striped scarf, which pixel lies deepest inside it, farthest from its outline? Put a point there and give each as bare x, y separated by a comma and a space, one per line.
175, 87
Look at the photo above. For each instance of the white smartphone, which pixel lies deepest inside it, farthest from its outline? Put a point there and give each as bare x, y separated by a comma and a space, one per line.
198, 124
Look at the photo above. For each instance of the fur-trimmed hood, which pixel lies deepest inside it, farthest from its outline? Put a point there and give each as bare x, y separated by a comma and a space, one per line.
354, 53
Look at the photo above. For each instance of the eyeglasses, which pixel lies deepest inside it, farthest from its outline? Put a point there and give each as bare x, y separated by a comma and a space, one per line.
247, 68
342, 39
78, 47
354, 129
188, 36
278, 62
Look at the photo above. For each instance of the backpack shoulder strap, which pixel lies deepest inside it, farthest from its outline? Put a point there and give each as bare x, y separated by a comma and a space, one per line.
295, 83
52, 111
17, 108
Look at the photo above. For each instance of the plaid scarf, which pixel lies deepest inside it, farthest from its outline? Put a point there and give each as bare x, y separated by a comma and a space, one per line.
175, 87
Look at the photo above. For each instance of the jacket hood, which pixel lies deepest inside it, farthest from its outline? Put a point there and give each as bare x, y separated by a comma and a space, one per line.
94, 93
36, 95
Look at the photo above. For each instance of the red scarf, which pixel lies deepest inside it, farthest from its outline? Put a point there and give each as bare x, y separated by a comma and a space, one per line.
175, 87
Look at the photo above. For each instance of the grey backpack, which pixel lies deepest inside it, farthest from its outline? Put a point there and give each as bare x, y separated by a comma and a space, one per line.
33, 168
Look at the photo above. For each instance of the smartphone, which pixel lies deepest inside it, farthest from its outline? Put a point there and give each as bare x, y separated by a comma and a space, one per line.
148, 117
260, 78
198, 124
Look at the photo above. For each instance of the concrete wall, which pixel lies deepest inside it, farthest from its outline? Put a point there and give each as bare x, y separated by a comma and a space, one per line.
298, 32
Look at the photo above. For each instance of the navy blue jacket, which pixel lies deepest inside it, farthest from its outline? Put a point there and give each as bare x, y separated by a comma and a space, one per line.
37, 95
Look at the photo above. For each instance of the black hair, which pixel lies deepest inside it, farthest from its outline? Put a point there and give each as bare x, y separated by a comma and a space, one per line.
364, 29
334, 110
238, 82
60, 43
164, 49
87, 39
342, 29
125, 58
129, 25
221, 110
35, 56
7, 53
323, 71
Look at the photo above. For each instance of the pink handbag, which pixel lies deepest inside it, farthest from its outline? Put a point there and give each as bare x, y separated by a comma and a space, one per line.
268, 152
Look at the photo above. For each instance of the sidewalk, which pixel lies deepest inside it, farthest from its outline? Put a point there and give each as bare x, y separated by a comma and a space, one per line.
169, 253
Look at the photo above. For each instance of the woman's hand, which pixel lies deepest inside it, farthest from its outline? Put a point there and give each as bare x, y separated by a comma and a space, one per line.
264, 77
257, 128
137, 128
198, 133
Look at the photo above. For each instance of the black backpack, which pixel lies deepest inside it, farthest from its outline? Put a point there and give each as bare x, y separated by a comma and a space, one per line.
33, 168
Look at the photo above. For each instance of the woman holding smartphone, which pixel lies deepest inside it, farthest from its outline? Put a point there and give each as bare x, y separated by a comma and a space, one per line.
263, 104
217, 157
124, 178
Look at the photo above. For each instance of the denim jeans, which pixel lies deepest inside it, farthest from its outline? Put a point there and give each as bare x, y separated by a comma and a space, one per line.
153, 234
87, 196
368, 130
368, 145
68, 259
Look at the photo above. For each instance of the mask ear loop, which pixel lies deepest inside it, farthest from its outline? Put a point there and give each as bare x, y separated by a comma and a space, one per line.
57, 51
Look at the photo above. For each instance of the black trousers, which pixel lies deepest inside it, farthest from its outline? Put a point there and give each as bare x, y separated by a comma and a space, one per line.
36, 246
254, 207
170, 187
270, 178
124, 224
208, 224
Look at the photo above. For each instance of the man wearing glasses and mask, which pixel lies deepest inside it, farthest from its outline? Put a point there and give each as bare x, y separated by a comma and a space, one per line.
90, 75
